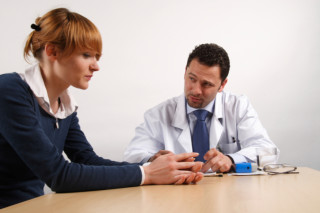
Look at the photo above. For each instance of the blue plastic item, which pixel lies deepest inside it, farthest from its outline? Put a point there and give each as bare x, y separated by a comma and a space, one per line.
246, 167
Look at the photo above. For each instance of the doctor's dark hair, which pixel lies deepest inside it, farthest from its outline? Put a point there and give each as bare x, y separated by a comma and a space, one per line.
68, 31
211, 55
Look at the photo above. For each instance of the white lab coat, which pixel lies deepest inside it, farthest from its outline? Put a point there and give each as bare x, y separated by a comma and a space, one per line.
166, 127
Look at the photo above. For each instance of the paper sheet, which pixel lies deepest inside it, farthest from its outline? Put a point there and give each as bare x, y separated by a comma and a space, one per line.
210, 174
248, 174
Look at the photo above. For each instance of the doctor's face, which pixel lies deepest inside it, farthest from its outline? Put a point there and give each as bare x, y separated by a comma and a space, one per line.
202, 83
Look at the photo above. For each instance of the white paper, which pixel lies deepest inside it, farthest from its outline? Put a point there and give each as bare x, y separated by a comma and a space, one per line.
248, 174
208, 174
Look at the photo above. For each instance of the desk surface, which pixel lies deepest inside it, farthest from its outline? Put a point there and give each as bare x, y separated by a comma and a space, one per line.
267, 193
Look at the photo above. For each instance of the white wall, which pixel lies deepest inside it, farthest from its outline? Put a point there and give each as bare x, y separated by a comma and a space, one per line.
273, 45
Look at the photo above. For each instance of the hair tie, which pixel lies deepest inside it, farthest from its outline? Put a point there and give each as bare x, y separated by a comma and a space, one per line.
35, 27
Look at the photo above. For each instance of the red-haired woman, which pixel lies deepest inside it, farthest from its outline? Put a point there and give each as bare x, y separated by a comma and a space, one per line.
38, 120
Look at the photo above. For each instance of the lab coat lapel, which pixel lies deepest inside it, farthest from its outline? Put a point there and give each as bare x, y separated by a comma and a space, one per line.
216, 128
180, 121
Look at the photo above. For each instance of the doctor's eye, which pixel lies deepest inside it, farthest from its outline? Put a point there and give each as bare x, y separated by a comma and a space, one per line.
207, 84
192, 79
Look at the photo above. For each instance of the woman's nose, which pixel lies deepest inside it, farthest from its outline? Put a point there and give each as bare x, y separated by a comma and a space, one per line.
94, 66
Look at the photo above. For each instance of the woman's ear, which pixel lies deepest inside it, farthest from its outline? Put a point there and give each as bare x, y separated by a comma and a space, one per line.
51, 51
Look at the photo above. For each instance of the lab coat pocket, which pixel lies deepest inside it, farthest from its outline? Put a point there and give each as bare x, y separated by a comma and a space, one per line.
229, 148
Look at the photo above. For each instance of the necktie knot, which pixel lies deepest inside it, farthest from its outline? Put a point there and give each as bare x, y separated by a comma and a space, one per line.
201, 114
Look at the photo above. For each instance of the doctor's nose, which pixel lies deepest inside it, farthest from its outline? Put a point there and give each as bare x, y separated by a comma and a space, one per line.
196, 89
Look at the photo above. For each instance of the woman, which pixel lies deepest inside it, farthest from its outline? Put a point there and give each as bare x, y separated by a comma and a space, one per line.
39, 120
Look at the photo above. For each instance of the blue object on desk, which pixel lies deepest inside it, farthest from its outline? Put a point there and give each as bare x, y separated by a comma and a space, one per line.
246, 167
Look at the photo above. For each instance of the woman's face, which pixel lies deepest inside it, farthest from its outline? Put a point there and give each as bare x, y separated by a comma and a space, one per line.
77, 69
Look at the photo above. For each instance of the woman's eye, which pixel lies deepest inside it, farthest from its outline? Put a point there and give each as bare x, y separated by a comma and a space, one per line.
86, 55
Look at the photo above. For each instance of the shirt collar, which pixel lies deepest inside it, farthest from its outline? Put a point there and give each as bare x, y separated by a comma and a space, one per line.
209, 107
35, 81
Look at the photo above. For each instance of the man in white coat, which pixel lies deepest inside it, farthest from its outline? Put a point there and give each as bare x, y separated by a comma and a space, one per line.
228, 132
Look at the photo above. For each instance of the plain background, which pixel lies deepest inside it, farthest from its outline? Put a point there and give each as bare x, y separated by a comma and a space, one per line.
273, 45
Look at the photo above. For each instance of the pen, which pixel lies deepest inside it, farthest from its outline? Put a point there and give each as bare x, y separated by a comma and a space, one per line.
219, 175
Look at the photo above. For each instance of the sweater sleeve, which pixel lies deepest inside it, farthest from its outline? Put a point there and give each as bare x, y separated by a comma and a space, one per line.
21, 128
79, 150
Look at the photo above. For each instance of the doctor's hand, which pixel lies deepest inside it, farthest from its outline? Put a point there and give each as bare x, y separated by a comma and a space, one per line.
161, 152
171, 169
216, 161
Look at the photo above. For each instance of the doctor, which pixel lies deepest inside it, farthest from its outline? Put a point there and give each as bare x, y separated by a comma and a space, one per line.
223, 127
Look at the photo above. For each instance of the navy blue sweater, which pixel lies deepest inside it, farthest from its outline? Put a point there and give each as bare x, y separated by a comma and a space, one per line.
31, 150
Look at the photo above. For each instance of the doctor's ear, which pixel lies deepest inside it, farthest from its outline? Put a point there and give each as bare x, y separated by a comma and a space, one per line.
223, 84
